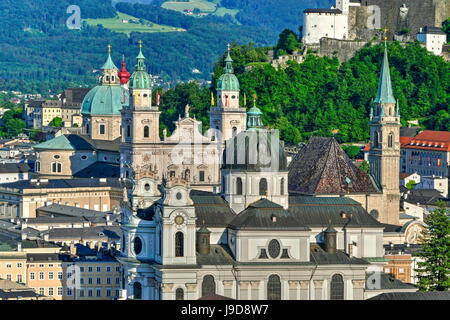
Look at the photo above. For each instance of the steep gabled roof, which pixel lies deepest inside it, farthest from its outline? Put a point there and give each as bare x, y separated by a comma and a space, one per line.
322, 167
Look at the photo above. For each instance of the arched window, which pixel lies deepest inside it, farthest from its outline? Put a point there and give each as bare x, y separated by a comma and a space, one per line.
234, 131
274, 288
128, 131
239, 186
179, 294
179, 244
56, 167
337, 287
137, 290
208, 285
263, 187
282, 187
38, 166
187, 174
146, 132
390, 140
137, 245
375, 139
87, 128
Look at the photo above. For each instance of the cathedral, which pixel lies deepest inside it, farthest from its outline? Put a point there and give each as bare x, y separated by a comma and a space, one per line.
223, 212
273, 230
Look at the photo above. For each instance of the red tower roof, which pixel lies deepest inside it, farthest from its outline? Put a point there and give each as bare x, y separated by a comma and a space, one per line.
124, 75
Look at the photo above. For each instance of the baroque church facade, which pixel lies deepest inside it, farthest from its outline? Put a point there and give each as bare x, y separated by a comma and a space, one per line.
265, 235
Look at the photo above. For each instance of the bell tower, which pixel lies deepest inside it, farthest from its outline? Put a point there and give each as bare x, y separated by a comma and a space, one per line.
140, 120
384, 155
227, 117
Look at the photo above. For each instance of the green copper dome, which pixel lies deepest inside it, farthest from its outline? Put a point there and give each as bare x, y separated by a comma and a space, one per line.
105, 100
140, 78
228, 81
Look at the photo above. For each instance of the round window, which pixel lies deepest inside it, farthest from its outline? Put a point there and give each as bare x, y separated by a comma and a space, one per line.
147, 187
137, 245
274, 248
84, 157
179, 196
56, 156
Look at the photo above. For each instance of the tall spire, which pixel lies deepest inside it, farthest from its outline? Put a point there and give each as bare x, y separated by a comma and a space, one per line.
228, 61
385, 93
124, 75
140, 66
109, 64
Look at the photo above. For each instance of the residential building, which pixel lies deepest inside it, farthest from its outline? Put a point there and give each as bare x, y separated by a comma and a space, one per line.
433, 38
12, 172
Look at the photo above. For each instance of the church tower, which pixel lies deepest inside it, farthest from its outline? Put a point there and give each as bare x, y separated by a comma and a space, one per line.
384, 155
140, 121
227, 116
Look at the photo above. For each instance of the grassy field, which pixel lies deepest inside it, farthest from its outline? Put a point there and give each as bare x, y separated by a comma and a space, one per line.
116, 24
203, 5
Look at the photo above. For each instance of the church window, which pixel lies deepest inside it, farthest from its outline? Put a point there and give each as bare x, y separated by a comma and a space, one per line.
274, 248
38, 166
102, 129
147, 187
107, 78
179, 196
179, 244
187, 174
172, 174
146, 132
113, 78
56, 167
337, 287
391, 140
274, 288
179, 294
56, 156
202, 176
239, 186
83, 157
208, 285
282, 187
234, 131
137, 290
263, 187
128, 131
87, 128
137, 245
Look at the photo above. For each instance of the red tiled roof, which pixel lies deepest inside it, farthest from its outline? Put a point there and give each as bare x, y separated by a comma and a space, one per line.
429, 140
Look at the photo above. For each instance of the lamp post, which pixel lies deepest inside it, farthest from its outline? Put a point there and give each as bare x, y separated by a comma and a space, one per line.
348, 217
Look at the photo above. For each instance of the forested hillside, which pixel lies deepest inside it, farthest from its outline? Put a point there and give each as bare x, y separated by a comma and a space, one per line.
323, 97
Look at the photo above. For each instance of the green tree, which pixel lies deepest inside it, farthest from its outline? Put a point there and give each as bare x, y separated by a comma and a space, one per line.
446, 27
365, 166
352, 151
56, 122
410, 185
434, 271
288, 41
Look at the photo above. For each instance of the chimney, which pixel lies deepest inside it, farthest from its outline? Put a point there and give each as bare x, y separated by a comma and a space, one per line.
19, 246
203, 240
330, 239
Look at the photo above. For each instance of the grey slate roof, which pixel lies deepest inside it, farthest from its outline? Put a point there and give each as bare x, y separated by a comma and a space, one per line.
46, 257
218, 255
334, 11
105, 233
14, 168
61, 183
266, 215
68, 211
322, 167
434, 295
386, 282
432, 30
321, 257
99, 170
409, 131
212, 209
321, 211
53, 220
424, 196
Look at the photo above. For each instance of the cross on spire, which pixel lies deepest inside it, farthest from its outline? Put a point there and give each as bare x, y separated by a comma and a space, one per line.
109, 48
140, 44
385, 30
254, 99
228, 48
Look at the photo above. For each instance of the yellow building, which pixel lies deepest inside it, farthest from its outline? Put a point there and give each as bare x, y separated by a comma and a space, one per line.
13, 266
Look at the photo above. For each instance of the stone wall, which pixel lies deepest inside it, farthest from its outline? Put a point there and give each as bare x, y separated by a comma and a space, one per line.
342, 49
378, 14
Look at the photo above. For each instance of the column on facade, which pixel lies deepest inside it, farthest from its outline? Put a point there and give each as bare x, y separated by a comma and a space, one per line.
304, 289
228, 288
255, 289
243, 290
318, 289
358, 289
167, 292
293, 289
191, 289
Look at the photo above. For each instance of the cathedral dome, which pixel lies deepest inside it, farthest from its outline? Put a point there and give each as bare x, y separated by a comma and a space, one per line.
105, 100
228, 82
140, 78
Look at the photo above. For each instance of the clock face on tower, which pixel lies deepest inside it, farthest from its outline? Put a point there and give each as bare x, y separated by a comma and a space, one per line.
179, 220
